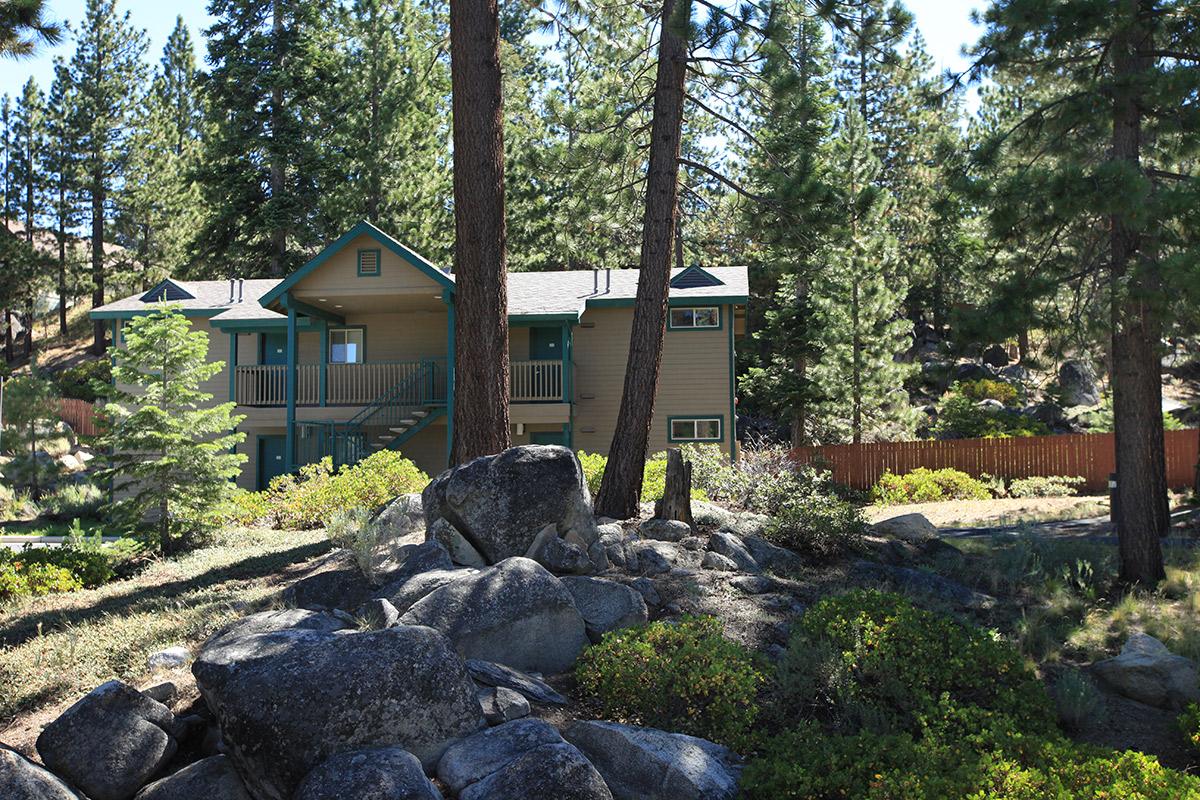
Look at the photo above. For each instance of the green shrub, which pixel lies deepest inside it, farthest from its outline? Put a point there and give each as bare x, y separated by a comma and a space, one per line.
684, 677
73, 500
1100, 420
988, 389
927, 485
654, 476
818, 524
247, 508
879, 699
88, 381
960, 417
89, 560
22, 578
310, 498
904, 661
1046, 486
1189, 723
351, 528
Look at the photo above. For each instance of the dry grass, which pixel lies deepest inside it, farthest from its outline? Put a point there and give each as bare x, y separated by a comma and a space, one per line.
997, 511
58, 647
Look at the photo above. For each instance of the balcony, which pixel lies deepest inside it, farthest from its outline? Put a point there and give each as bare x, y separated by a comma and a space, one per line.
265, 385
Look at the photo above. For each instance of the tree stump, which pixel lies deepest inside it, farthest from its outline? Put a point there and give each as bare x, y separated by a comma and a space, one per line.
676, 502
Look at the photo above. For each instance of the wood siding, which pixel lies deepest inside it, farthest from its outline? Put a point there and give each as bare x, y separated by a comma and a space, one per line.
339, 274
693, 382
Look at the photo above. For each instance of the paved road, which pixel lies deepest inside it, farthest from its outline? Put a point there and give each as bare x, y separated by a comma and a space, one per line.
18, 542
1092, 529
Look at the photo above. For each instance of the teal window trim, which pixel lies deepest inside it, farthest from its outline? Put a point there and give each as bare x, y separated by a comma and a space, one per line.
720, 318
378, 262
719, 418
329, 343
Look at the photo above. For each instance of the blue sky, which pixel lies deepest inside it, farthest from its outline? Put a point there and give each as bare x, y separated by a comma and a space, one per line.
945, 24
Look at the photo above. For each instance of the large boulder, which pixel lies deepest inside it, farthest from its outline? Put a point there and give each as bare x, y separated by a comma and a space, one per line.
381, 773
21, 779
403, 594
771, 556
284, 713
733, 548
260, 637
501, 705
649, 764
519, 760
473, 758
914, 528
552, 770
605, 605
514, 613
500, 503
212, 778
111, 742
1077, 382
664, 530
1148, 672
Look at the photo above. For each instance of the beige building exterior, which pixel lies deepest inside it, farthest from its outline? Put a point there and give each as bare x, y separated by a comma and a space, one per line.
354, 352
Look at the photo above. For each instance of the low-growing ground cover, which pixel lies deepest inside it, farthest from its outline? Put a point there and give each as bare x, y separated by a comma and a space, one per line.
60, 646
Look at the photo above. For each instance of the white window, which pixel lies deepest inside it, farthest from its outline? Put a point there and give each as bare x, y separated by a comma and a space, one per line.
704, 429
699, 317
346, 345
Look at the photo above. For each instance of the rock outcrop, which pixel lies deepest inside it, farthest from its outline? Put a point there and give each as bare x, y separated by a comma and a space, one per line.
381, 773
499, 504
283, 713
514, 613
1148, 672
111, 742
649, 764
21, 779
212, 778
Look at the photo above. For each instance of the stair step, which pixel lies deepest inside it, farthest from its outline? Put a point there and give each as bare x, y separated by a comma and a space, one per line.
408, 423
376, 445
420, 414
386, 438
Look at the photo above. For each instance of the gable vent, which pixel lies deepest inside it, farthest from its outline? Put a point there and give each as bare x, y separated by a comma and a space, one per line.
167, 292
694, 278
368, 262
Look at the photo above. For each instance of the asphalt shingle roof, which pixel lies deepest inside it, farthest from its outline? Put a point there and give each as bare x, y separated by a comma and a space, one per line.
529, 293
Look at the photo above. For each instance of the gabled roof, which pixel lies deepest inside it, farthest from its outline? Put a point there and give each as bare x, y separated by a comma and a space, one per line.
364, 227
553, 294
207, 299
167, 291
693, 278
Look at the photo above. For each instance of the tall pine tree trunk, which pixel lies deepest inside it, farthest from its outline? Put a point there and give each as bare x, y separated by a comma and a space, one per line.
622, 482
62, 280
1141, 515
98, 343
800, 365
480, 260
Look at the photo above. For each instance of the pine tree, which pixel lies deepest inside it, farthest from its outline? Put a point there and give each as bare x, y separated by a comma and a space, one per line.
480, 249
389, 143
160, 202
263, 169
171, 450
858, 300
108, 73
29, 182
24, 27
62, 171
1104, 192
789, 169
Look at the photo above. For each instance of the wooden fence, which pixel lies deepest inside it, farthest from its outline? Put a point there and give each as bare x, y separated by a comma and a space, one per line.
79, 414
1089, 455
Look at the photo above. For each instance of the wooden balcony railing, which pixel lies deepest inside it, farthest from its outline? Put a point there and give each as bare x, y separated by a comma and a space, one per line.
361, 384
534, 381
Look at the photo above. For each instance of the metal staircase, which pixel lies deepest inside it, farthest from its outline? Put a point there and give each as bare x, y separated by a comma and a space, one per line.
388, 421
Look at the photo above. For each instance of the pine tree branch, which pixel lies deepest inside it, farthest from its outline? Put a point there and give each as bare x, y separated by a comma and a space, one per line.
1176, 54
707, 170
1166, 174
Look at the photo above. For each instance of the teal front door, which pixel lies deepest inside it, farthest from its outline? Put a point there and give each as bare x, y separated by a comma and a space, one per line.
272, 459
548, 437
274, 349
545, 344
